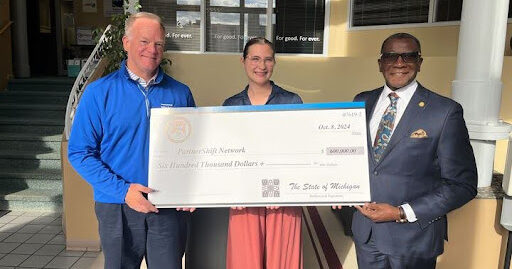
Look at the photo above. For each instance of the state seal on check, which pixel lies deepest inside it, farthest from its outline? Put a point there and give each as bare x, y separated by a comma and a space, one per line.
178, 129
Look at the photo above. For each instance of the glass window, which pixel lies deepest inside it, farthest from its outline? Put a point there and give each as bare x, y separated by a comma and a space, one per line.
189, 2
451, 10
448, 10
256, 3
385, 12
186, 34
224, 32
297, 25
229, 26
225, 3
182, 21
300, 26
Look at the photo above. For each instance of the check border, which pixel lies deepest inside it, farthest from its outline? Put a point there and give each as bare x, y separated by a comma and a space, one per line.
261, 108
266, 108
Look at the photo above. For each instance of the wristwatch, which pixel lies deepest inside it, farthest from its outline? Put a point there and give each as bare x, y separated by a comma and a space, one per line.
403, 217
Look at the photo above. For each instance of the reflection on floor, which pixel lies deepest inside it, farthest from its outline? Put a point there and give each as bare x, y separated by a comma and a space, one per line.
325, 244
36, 240
3, 212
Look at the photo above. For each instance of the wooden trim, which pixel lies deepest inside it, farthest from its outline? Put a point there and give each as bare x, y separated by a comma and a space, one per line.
5, 27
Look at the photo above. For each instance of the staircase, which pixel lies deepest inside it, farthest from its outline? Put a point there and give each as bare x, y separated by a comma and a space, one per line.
31, 124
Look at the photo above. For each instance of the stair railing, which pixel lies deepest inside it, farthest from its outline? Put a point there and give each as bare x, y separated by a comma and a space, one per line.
81, 81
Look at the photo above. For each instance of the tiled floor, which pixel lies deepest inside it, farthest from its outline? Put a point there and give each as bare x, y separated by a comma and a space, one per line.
36, 240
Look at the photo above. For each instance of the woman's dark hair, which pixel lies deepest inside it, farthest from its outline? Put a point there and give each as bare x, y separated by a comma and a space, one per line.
258, 40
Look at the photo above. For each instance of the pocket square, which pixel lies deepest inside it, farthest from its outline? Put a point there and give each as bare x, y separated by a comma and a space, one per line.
420, 133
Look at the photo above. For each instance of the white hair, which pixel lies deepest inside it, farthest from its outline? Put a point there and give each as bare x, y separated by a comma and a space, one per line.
129, 22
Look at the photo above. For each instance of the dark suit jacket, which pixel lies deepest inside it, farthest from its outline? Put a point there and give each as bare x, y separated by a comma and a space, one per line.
435, 175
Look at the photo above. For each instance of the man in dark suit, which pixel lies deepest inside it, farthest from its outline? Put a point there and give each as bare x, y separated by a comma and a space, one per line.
421, 165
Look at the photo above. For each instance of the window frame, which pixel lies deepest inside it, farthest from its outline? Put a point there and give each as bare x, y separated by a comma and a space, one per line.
268, 33
430, 22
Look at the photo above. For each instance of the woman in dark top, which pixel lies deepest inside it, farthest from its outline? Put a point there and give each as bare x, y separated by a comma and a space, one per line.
261, 237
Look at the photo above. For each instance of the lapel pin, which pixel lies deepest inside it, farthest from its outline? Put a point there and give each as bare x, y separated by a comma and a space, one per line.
421, 104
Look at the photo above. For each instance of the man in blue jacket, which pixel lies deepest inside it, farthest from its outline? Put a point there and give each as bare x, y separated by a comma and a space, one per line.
421, 165
109, 146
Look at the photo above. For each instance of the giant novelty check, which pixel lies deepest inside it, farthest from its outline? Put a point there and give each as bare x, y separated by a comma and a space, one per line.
285, 155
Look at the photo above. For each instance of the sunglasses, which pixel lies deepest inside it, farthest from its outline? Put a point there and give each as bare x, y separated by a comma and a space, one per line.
407, 57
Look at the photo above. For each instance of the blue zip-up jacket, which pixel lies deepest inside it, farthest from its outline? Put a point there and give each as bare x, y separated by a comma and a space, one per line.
109, 142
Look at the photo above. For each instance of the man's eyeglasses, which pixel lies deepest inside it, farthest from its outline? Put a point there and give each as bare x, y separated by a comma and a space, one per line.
407, 57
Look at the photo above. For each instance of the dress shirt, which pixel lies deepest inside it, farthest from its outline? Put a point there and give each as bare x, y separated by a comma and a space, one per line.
141, 81
405, 94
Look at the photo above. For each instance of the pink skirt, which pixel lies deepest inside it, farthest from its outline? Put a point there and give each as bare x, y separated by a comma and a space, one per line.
260, 238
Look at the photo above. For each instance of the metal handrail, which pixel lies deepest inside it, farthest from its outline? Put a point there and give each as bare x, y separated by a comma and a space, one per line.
81, 81
5, 27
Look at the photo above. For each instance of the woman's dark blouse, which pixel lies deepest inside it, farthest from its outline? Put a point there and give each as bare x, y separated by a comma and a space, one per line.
277, 96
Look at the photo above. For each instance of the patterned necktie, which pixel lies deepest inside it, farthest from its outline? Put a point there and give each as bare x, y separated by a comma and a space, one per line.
386, 125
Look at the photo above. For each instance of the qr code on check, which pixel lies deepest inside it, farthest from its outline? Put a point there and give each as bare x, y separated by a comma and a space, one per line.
270, 187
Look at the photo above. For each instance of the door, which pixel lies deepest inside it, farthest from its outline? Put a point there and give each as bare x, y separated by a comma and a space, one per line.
42, 40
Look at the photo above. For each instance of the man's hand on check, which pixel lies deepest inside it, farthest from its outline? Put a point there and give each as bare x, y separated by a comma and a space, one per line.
190, 209
136, 201
272, 207
379, 212
336, 206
